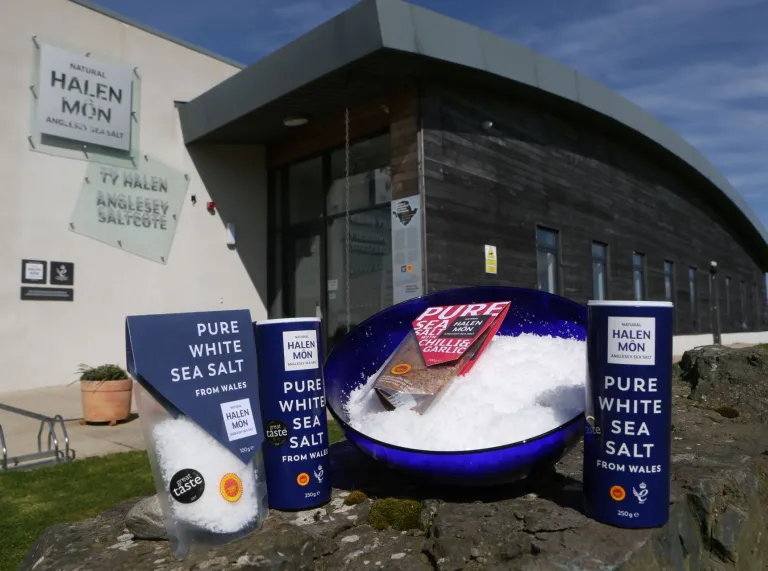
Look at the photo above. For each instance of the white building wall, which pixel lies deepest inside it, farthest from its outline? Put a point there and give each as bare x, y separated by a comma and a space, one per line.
43, 342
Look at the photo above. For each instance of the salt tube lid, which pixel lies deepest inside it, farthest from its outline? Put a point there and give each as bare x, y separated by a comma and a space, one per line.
286, 320
628, 303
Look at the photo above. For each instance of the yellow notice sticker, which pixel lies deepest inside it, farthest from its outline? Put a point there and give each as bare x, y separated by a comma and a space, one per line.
491, 259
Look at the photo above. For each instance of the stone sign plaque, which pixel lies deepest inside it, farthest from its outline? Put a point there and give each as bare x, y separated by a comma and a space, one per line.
136, 210
84, 99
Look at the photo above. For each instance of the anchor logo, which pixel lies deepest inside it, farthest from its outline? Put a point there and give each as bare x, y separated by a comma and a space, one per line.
642, 495
319, 474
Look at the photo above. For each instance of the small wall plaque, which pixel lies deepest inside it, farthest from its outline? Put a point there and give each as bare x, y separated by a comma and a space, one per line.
47, 294
62, 273
33, 272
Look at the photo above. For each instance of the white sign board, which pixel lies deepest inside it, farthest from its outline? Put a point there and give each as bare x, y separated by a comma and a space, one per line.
34, 271
631, 340
406, 249
84, 99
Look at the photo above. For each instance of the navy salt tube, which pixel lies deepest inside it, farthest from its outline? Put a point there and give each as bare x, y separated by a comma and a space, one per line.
628, 427
292, 394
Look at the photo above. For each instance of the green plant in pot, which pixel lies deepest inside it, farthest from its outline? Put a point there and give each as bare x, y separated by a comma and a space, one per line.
106, 393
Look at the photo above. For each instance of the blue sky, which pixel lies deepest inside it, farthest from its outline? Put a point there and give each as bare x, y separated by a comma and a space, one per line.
701, 66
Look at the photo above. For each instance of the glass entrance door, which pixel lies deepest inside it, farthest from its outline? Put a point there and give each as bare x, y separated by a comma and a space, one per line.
370, 269
305, 269
310, 257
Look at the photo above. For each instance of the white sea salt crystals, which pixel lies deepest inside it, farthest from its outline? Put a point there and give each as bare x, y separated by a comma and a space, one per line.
521, 387
230, 500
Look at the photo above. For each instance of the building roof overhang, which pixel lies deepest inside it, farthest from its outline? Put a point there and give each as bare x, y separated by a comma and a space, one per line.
369, 48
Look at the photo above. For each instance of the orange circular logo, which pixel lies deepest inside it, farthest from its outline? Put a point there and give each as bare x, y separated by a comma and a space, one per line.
231, 487
302, 479
401, 369
618, 493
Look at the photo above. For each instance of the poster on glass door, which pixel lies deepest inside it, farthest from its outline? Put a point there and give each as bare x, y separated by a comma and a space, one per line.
407, 280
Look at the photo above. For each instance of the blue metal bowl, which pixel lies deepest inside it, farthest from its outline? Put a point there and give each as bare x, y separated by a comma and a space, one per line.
365, 349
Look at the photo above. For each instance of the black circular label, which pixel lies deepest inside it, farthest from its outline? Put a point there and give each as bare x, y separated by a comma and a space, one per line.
187, 486
276, 432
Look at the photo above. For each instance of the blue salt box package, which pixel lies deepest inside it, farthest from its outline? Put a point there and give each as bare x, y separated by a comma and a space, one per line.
628, 431
292, 392
197, 391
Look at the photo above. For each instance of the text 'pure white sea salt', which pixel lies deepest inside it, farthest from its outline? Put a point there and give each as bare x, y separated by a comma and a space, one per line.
521, 387
229, 501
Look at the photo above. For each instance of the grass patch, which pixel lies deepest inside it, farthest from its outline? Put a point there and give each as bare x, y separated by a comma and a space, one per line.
335, 433
32, 500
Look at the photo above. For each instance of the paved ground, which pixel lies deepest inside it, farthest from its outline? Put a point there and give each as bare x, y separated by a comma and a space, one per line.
90, 440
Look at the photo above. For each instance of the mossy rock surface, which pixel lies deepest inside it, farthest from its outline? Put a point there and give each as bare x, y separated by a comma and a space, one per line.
398, 514
355, 497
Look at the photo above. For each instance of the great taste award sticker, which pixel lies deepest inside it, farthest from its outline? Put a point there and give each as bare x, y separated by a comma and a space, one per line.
276, 432
187, 486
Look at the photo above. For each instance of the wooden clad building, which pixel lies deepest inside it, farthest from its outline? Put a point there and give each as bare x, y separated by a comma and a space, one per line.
581, 192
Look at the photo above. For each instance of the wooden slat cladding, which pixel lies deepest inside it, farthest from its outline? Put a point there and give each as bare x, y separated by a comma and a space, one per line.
404, 140
365, 119
532, 167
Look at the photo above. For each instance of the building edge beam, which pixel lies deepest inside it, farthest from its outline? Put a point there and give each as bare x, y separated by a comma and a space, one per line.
341, 41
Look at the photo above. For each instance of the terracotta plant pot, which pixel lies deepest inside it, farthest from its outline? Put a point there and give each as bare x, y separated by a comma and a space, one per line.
106, 401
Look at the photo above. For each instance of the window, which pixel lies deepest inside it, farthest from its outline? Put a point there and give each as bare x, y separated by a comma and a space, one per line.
547, 260
756, 302
743, 303
638, 275
599, 270
669, 285
370, 182
311, 258
305, 190
728, 312
693, 298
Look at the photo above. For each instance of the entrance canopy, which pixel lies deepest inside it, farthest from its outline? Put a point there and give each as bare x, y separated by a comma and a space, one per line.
378, 45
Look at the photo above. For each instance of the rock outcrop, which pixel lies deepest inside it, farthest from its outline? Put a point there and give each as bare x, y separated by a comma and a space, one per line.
718, 514
730, 381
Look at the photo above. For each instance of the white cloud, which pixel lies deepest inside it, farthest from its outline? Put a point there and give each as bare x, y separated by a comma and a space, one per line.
698, 65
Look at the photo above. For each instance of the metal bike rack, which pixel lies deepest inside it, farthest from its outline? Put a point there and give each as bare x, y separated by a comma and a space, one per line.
52, 455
